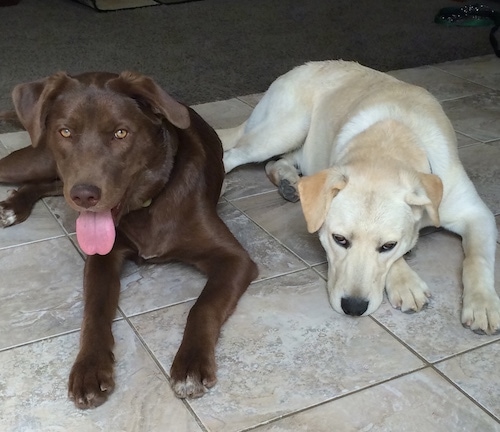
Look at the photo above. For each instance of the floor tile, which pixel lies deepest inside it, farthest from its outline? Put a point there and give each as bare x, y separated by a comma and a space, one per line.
482, 70
322, 270
153, 286
442, 85
422, 401
465, 141
247, 180
34, 398
284, 221
482, 164
271, 257
476, 116
283, 349
224, 114
15, 140
252, 99
62, 212
436, 332
476, 373
40, 292
3, 150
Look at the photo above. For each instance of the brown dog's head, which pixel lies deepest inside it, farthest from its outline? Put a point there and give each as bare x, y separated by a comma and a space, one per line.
106, 132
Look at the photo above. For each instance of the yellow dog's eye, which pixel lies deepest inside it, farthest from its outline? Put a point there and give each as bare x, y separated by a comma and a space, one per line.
121, 133
388, 246
341, 240
65, 132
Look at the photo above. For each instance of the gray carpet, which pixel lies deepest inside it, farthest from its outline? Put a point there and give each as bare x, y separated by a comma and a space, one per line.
109, 5
216, 49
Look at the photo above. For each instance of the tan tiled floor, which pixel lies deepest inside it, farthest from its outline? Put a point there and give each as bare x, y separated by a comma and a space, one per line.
287, 361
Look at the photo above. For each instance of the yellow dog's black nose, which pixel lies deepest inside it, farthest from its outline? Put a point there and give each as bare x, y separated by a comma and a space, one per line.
354, 306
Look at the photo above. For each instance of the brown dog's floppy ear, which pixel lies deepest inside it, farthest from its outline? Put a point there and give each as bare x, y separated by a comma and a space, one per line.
32, 101
430, 197
316, 193
144, 88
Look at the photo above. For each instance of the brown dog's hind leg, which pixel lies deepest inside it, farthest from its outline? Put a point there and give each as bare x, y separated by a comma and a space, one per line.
230, 270
18, 206
34, 166
29, 164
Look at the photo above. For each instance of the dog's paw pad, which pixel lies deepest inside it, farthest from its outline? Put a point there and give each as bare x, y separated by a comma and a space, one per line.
288, 191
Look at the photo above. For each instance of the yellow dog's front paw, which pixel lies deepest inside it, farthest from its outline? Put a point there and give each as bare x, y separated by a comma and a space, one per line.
481, 313
406, 291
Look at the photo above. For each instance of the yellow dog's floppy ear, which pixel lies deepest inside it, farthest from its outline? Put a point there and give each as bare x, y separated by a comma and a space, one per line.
316, 193
430, 197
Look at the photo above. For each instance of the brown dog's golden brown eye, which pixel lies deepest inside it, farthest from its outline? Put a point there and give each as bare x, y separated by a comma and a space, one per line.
121, 133
65, 132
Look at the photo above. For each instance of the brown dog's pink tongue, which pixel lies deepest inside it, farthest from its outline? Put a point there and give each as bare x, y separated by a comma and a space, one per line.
95, 232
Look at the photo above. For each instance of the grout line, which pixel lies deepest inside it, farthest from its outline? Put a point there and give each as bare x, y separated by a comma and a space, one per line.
38, 340
27, 243
163, 371
462, 391
464, 78
332, 399
53, 336
276, 239
433, 364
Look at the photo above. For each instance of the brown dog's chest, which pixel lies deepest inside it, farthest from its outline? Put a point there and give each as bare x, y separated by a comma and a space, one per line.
148, 230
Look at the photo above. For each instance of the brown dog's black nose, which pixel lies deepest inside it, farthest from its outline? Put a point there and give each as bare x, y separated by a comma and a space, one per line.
353, 306
84, 195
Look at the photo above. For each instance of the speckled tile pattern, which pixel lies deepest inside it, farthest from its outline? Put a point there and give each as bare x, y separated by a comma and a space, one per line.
34, 397
422, 401
286, 360
476, 116
441, 84
272, 363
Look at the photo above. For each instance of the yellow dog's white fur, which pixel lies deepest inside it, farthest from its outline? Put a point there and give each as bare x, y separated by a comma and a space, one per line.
379, 162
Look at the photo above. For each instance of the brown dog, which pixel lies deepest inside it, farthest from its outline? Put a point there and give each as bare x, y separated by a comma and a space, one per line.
145, 173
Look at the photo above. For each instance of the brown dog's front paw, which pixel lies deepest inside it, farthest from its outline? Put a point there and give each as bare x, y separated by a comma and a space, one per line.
91, 380
7, 215
191, 377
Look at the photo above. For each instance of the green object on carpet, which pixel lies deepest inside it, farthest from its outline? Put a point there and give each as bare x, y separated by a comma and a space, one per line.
475, 15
